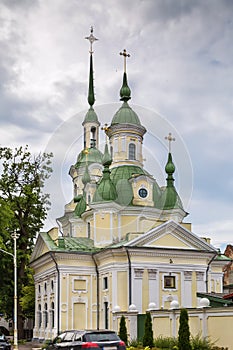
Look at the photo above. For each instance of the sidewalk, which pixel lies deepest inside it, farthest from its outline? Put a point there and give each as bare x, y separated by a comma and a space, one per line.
30, 345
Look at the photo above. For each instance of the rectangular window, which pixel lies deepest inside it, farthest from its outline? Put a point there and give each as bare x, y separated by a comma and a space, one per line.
170, 282
80, 285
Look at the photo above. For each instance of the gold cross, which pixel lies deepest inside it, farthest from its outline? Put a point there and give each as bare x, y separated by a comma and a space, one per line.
125, 54
92, 39
170, 139
105, 128
86, 152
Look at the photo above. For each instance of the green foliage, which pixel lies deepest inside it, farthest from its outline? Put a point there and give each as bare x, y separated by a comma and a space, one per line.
23, 207
123, 330
203, 344
165, 342
135, 343
184, 333
148, 334
27, 299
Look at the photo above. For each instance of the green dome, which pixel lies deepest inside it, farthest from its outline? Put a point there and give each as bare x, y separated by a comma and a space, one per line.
81, 206
126, 172
124, 192
125, 115
93, 156
91, 116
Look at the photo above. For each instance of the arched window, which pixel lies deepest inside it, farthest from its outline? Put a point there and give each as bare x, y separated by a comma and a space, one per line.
132, 152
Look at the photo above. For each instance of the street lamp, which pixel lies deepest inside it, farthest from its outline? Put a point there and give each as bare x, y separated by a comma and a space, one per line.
15, 236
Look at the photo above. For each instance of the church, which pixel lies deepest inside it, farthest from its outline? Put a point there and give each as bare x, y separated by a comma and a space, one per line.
124, 243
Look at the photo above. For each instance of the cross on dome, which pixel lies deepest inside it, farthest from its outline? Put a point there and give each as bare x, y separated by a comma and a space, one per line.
170, 139
125, 54
92, 39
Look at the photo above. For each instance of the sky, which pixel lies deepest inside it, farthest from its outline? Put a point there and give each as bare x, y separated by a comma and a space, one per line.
180, 72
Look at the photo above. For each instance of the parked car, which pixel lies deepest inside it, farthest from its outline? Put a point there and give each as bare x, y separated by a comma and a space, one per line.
4, 344
87, 339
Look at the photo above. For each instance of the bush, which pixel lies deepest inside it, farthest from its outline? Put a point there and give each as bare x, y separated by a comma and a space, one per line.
123, 330
184, 333
201, 344
166, 342
148, 335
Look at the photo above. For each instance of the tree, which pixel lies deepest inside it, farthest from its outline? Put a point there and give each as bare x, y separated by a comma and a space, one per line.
123, 330
23, 207
184, 333
148, 339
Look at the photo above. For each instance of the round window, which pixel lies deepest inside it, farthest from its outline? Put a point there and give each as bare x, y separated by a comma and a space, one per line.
142, 193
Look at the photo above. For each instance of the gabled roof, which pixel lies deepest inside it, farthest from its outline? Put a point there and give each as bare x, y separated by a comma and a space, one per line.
45, 243
171, 235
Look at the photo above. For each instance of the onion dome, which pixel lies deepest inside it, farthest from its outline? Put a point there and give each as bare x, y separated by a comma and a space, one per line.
125, 115
106, 190
89, 156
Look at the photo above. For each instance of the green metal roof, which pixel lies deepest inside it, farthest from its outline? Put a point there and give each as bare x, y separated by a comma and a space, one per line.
92, 156
216, 299
125, 115
91, 116
65, 243
80, 207
126, 172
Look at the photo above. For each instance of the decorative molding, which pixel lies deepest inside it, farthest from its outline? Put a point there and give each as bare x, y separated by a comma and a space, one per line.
138, 273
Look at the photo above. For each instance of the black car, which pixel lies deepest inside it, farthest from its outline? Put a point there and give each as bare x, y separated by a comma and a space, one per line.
87, 339
4, 344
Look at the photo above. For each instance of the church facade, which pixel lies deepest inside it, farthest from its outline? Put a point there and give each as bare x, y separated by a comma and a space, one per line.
125, 244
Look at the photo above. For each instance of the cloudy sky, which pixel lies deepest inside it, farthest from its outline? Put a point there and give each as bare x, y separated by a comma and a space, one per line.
180, 73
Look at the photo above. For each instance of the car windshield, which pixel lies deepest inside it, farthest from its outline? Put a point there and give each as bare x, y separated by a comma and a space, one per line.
98, 336
2, 338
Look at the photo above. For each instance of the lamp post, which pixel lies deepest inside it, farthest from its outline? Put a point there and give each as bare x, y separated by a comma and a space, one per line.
15, 236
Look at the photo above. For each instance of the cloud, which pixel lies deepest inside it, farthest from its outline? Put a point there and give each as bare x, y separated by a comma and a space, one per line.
180, 66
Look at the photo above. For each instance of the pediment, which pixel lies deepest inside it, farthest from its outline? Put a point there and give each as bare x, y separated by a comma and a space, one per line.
171, 235
44, 244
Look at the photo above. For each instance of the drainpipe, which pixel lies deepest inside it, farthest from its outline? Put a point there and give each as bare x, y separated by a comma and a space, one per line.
130, 277
97, 291
207, 270
58, 293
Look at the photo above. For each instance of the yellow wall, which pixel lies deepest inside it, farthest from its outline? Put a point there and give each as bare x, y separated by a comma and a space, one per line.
122, 289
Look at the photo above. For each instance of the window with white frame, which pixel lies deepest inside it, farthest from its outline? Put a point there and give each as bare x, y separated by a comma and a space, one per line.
169, 282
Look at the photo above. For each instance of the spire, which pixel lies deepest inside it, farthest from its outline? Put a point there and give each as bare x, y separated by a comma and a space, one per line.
170, 167
91, 95
106, 190
125, 90
170, 198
